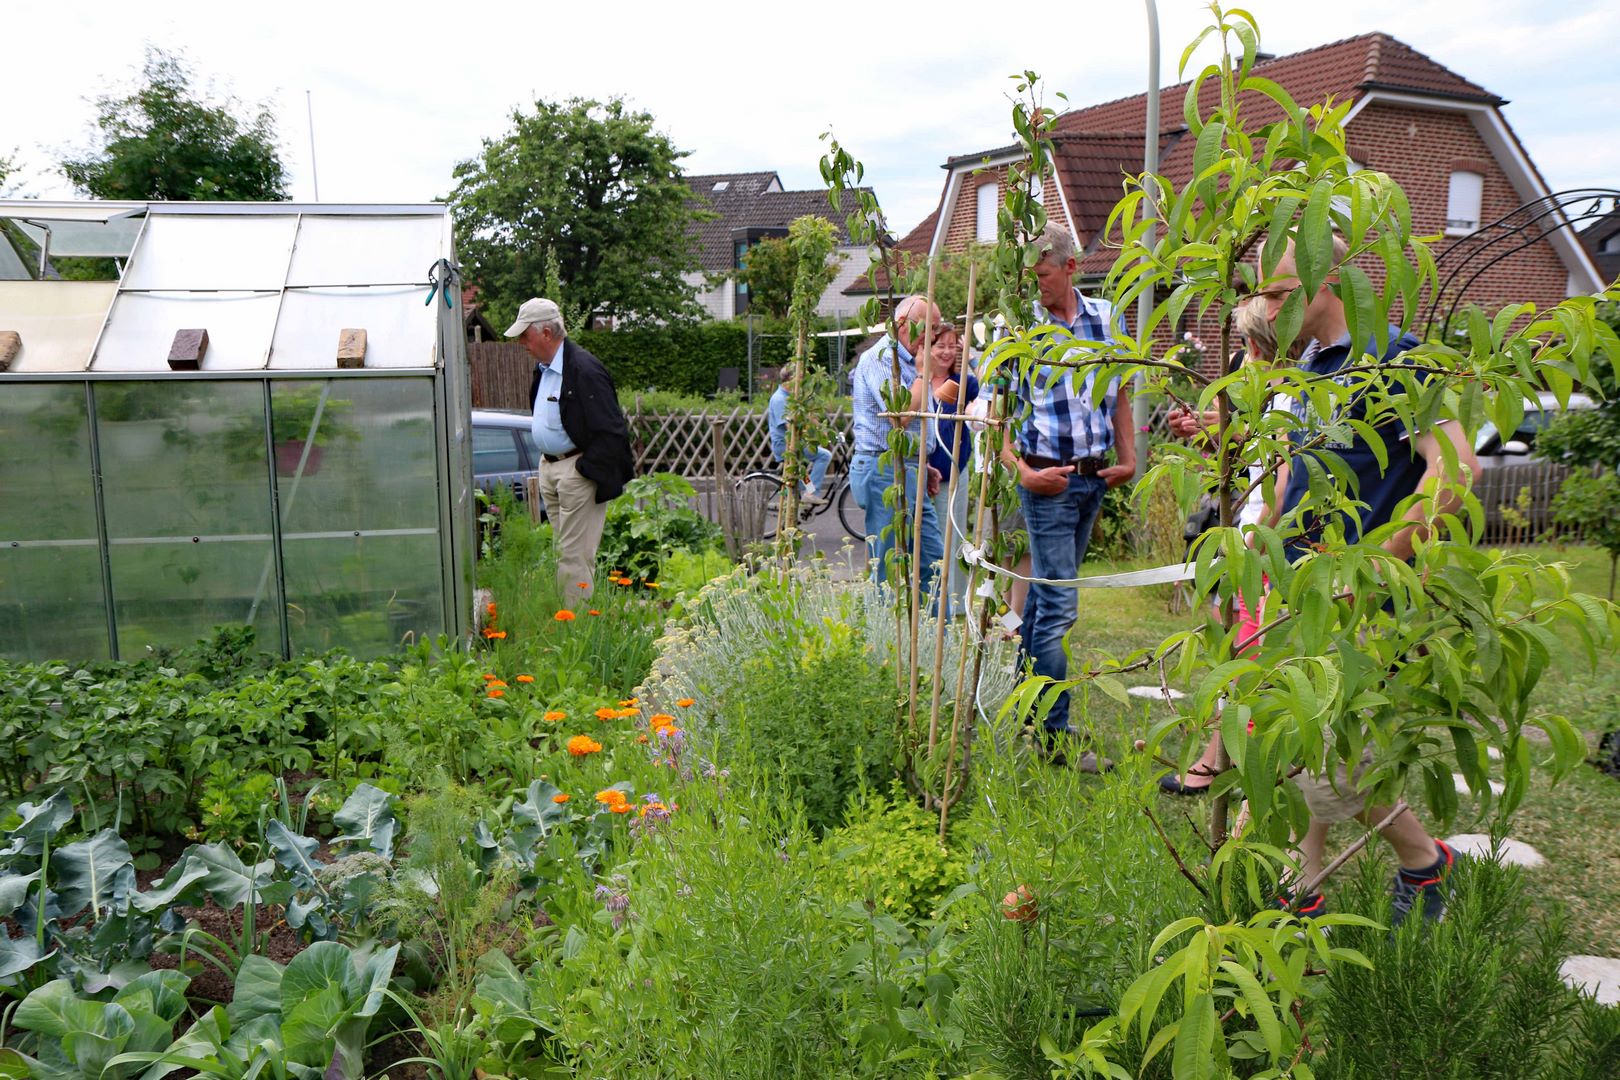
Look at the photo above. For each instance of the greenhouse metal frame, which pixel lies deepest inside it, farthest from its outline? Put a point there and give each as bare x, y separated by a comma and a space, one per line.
263, 421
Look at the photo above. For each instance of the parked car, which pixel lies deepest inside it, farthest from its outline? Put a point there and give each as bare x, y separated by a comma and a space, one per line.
1514, 486
503, 450
1493, 451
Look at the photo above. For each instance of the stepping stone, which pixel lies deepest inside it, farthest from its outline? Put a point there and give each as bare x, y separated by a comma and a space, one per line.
1154, 693
1514, 852
1497, 787
1595, 975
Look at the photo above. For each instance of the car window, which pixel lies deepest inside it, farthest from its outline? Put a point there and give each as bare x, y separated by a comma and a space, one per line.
494, 451
526, 437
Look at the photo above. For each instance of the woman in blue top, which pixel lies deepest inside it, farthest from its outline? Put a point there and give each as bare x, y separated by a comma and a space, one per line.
952, 452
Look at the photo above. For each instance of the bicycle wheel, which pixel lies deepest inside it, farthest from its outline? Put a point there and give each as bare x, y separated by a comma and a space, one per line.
851, 514
760, 493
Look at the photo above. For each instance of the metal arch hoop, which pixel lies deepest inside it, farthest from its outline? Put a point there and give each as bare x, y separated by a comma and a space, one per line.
1464, 262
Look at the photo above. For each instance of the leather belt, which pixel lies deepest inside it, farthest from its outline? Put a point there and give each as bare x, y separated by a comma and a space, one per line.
1085, 466
552, 459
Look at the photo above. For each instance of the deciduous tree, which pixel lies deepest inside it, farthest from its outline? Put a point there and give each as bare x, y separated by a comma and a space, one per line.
594, 183
165, 141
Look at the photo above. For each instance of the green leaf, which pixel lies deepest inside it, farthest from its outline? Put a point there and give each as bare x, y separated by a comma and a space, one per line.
230, 881
14, 891
367, 818
40, 822
293, 852
1261, 1007
1313, 243
258, 989
1191, 1059
96, 873
324, 964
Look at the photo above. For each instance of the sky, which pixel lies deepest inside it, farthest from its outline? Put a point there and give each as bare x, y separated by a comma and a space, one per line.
401, 92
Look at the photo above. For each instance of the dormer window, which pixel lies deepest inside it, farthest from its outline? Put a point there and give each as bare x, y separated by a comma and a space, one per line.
1463, 201
721, 185
1610, 245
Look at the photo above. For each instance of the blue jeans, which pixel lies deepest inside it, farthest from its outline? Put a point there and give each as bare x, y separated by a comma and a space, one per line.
819, 459
1059, 530
867, 483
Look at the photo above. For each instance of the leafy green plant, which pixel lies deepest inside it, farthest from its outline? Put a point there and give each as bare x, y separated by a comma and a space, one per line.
654, 518
815, 713
1592, 505
306, 1020
78, 1038
1478, 995
889, 856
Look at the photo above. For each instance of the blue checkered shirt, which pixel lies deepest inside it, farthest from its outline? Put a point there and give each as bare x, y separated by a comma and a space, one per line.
1057, 419
873, 373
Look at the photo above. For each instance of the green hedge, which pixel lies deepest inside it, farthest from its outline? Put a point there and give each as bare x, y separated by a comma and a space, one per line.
687, 359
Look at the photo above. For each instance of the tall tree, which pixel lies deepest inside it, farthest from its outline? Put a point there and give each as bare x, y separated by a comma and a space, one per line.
165, 141
594, 183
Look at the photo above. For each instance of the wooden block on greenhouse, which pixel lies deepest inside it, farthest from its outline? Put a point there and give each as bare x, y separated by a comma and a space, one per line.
10, 346
188, 350
351, 348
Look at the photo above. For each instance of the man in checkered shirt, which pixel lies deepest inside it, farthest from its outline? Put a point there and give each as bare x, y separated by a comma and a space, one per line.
1060, 454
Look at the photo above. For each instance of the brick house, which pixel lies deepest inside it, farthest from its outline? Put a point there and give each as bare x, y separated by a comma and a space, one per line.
1602, 241
1443, 138
747, 208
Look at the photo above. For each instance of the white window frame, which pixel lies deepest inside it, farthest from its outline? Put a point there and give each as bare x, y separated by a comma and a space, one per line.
1458, 202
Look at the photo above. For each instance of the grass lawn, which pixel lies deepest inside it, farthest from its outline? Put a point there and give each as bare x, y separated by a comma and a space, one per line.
1574, 823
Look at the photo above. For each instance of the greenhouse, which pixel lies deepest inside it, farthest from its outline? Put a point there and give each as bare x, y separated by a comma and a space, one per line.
230, 414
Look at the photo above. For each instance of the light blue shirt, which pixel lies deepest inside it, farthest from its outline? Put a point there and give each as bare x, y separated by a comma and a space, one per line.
546, 426
873, 373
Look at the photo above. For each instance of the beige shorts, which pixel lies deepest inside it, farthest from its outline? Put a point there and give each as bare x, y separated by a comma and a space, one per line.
1333, 798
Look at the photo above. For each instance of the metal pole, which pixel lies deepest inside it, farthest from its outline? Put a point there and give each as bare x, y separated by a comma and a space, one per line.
1150, 164
314, 175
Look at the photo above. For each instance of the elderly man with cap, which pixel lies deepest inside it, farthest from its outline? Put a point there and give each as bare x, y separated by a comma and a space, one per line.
583, 439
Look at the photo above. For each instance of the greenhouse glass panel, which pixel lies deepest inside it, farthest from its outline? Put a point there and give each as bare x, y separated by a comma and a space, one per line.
212, 251
51, 594
365, 250
360, 520
141, 329
58, 321
363, 594
188, 511
401, 331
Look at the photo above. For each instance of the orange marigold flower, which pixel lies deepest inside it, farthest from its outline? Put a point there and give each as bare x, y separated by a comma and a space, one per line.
628, 702
593, 611
583, 584
642, 738
525, 678
564, 615
496, 684
490, 608
497, 693
580, 745
605, 713
612, 797
495, 635
559, 798
627, 713
686, 702
658, 720
489, 675
652, 584
554, 715
623, 581
656, 807
619, 808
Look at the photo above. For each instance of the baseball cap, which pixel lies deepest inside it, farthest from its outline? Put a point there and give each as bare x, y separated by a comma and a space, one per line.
533, 311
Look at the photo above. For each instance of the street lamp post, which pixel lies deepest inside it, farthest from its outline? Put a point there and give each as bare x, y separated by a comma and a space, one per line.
1150, 164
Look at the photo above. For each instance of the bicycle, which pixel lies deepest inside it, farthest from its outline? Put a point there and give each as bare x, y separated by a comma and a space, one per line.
766, 484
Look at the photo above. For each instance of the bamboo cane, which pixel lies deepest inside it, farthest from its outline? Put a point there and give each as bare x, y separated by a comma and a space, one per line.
941, 585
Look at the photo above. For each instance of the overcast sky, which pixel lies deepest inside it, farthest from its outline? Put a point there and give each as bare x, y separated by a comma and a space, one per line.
403, 91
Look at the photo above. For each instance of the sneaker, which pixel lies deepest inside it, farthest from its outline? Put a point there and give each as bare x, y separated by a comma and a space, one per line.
1312, 906
812, 497
1429, 885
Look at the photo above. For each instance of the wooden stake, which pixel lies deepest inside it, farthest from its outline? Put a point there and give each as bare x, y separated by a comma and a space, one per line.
926, 372
941, 587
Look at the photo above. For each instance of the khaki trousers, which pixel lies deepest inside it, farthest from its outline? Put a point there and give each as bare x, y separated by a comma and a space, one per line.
576, 525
